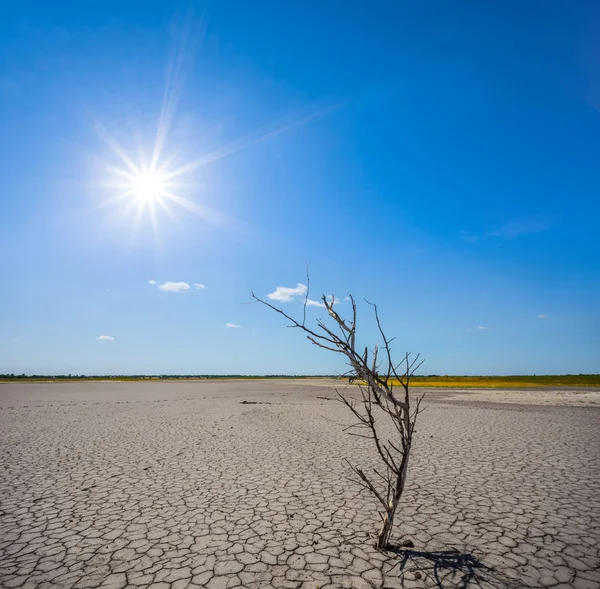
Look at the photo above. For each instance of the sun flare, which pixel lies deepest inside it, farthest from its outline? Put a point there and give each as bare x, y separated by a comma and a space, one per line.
147, 186
145, 189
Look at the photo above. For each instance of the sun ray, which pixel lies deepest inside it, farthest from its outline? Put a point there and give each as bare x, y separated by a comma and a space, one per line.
149, 186
204, 212
189, 36
116, 147
165, 207
154, 218
251, 139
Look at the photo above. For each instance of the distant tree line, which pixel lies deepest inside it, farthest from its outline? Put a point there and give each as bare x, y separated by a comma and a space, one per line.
417, 380
153, 377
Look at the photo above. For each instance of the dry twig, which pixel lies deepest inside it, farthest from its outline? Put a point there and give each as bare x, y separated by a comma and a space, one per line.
378, 399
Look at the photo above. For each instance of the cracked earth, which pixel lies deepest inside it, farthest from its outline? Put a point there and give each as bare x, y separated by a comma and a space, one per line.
243, 484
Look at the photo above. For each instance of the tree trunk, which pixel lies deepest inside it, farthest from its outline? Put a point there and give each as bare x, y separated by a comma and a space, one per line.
383, 538
385, 534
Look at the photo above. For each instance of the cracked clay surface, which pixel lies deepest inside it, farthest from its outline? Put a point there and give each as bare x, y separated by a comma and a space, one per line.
172, 485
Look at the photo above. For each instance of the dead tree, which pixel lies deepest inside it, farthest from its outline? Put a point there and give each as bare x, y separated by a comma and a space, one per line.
384, 393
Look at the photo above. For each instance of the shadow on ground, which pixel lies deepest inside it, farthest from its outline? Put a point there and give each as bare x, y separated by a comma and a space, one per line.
447, 569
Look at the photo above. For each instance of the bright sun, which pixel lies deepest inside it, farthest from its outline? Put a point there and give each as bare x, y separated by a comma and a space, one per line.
148, 186
145, 188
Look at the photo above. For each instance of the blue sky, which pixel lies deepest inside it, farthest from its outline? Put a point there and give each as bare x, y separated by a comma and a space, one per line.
438, 158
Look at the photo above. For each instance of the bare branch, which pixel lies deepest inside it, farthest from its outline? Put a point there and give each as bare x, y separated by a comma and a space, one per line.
377, 399
306, 296
363, 477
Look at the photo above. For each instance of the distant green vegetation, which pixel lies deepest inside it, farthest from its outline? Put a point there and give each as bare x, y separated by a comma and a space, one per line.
433, 380
562, 380
137, 377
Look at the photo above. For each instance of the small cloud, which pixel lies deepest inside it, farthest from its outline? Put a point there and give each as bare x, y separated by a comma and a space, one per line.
469, 237
109, 338
311, 303
151, 281
513, 229
284, 294
520, 227
198, 285
347, 298
174, 286
481, 327
541, 316
232, 325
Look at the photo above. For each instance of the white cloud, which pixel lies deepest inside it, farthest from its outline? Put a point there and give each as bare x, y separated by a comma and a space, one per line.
541, 316
106, 337
481, 327
232, 325
520, 227
347, 299
311, 303
285, 294
174, 286
513, 229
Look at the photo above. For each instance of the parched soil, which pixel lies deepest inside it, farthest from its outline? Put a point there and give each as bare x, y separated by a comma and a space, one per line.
225, 484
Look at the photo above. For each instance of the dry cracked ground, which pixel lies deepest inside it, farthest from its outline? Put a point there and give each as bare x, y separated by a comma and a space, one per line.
183, 484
